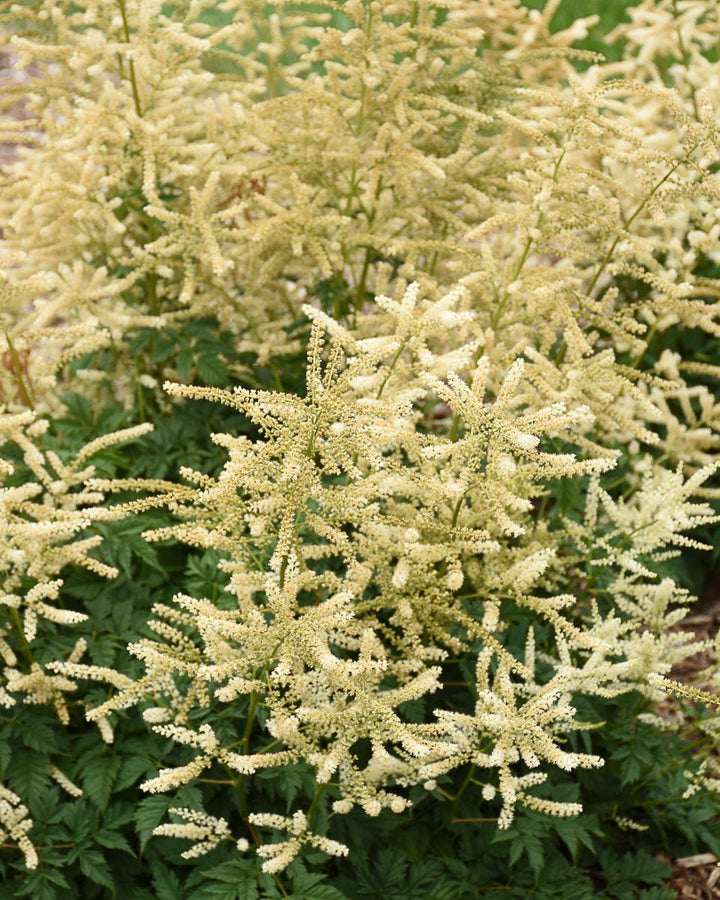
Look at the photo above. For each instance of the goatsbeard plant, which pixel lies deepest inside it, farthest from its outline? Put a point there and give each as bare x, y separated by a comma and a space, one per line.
486, 230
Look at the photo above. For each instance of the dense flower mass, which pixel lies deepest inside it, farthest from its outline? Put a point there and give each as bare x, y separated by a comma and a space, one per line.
457, 263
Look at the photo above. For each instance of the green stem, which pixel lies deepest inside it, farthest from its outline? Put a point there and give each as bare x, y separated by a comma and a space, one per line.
131, 64
650, 335
24, 646
608, 255
640, 207
359, 294
319, 788
686, 63
151, 285
528, 244
17, 370
254, 700
456, 511
392, 366
351, 192
245, 747
456, 799
475, 819
141, 400
463, 787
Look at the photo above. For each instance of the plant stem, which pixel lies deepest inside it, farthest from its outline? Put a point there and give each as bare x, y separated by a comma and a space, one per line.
17, 370
392, 366
686, 62
319, 788
131, 64
480, 819
640, 207
239, 782
463, 787
24, 646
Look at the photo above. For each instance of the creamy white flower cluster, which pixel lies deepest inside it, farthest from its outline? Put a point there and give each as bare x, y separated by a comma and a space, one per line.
364, 544
15, 825
521, 227
353, 158
205, 831
279, 855
42, 520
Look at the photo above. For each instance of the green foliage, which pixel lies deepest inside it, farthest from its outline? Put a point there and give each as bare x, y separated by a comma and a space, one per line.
610, 13
104, 839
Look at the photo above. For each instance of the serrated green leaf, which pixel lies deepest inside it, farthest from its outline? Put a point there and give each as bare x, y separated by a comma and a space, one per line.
567, 494
94, 867
132, 770
166, 883
98, 777
118, 815
532, 847
320, 892
309, 885
184, 363
79, 407
148, 815
576, 832
641, 866
164, 346
41, 736
28, 775
243, 889
212, 370
216, 891
42, 884
389, 869
113, 840
139, 341
658, 893
236, 879
80, 818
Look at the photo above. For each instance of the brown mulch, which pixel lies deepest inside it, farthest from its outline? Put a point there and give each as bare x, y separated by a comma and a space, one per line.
697, 877
704, 620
